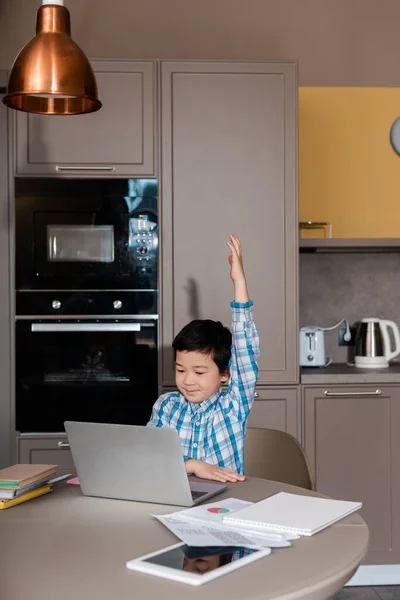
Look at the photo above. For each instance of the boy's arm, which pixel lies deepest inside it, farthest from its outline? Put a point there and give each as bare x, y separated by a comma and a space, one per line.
212, 472
160, 412
245, 342
160, 415
243, 364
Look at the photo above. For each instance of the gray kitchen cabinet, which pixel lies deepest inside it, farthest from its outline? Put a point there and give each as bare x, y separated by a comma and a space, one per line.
116, 141
228, 147
6, 454
45, 449
350, 435
276, 408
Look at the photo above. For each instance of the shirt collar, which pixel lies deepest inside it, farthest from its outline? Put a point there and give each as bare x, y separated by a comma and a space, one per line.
205, 405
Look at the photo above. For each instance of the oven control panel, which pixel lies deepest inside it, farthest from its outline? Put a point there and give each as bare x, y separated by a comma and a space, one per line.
86, 303
143, 240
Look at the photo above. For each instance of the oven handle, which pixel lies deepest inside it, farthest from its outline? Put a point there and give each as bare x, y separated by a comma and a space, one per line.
83, 327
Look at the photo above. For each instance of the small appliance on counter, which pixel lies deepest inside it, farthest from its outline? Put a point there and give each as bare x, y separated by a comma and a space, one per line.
312, 344
373, 347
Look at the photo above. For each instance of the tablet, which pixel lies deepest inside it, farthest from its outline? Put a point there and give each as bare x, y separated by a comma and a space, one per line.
195, 565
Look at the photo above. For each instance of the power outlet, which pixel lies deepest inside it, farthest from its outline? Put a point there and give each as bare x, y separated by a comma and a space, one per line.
342, 341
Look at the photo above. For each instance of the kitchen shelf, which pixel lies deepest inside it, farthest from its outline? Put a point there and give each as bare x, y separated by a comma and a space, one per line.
349, 245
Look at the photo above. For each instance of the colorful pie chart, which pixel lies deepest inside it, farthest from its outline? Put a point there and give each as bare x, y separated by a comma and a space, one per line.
218, 511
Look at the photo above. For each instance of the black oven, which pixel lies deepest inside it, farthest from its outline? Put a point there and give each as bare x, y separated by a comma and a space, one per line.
85, 356
86, 234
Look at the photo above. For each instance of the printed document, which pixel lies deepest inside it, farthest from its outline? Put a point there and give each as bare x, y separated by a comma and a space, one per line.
203, 526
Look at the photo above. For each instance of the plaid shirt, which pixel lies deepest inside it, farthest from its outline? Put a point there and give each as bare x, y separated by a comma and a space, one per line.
214, 430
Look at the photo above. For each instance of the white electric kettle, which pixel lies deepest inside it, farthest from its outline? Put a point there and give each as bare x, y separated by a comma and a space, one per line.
373, 348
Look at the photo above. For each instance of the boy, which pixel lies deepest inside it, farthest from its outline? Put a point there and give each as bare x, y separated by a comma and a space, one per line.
211, 423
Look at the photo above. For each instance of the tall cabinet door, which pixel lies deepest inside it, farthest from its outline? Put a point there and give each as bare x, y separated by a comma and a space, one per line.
229, 165
116, 141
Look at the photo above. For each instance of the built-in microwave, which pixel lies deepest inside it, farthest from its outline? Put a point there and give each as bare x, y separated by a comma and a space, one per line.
86, 234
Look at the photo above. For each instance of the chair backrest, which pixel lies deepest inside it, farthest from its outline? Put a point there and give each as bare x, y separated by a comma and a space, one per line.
278, 456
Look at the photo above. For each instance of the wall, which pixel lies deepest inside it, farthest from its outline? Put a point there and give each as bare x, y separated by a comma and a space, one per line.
5, 296
349, 174
337, 42
346, 285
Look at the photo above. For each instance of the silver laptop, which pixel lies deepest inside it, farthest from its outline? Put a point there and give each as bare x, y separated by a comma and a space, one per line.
129, 462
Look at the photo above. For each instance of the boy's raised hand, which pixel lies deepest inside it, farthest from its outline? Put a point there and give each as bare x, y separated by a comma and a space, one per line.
211, 472
237, 272
235, 258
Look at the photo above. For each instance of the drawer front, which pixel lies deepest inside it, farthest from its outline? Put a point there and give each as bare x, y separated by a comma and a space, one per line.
276, 408
45, 451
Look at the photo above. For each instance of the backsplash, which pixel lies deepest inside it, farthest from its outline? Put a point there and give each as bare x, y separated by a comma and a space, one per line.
348, 285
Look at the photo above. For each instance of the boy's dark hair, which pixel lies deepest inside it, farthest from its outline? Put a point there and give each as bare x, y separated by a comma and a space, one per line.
208, 337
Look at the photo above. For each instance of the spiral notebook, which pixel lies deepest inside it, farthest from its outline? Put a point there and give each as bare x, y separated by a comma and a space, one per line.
293, 513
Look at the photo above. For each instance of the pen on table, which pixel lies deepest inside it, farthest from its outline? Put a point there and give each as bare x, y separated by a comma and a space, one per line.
60, 478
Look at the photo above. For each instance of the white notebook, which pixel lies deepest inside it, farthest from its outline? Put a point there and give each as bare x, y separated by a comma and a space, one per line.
302, 515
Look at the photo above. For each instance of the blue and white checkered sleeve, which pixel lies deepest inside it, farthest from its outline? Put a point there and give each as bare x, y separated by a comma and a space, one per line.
243, 364
160, 413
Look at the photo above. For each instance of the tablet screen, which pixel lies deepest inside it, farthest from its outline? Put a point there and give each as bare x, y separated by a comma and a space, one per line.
199, 560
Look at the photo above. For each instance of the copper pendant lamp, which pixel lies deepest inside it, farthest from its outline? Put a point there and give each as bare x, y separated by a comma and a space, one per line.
51, 75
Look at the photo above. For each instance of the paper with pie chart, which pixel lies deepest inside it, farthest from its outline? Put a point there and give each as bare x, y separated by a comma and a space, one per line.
198, 533
214, 511
203, 526
212, 514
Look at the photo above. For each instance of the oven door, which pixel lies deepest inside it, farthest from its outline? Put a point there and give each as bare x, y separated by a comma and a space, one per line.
99, 370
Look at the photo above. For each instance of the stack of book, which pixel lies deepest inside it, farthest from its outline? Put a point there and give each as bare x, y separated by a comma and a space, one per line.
20, 483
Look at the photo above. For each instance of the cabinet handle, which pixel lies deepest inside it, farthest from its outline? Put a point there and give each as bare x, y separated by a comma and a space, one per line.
341, 394
63, 445
256, 395
85, 168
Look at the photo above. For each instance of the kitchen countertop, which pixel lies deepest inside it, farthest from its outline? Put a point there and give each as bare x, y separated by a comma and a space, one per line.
341, 373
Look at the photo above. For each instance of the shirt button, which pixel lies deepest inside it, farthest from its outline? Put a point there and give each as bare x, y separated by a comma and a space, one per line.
198, 423
195, 445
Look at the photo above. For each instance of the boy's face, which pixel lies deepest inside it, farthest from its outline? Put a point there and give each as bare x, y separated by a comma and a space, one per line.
201, 565
197, 376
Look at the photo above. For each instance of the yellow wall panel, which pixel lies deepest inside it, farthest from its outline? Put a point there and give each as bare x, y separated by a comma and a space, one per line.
349, 175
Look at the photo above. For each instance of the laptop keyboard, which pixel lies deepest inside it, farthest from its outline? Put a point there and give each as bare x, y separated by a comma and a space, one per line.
196, 495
